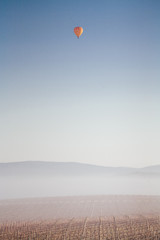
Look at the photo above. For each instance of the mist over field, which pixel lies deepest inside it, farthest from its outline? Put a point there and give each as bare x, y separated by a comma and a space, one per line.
40, 179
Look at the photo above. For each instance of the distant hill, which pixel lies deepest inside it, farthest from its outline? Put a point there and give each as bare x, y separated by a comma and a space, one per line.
43, 179
30, 168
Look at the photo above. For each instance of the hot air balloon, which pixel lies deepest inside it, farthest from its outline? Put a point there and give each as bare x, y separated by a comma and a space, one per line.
78, 31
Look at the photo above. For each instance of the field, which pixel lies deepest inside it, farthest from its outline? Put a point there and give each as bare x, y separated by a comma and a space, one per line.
81, 218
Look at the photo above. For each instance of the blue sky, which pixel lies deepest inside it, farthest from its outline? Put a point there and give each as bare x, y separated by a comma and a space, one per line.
94, 100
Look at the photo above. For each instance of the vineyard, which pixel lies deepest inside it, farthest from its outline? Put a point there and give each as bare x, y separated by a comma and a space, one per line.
81, 218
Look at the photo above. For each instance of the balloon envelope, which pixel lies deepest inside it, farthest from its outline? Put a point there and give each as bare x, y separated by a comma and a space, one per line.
78, 31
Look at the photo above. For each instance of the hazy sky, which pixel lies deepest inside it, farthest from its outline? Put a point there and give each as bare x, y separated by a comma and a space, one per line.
95, 99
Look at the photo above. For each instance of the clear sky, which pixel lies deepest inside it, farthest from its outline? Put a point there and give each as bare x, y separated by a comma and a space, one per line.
95, 99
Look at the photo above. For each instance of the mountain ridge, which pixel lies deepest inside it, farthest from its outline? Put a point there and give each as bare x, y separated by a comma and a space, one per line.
72, 169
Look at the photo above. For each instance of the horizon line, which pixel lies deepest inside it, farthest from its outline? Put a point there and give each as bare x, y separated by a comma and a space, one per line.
82, 163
